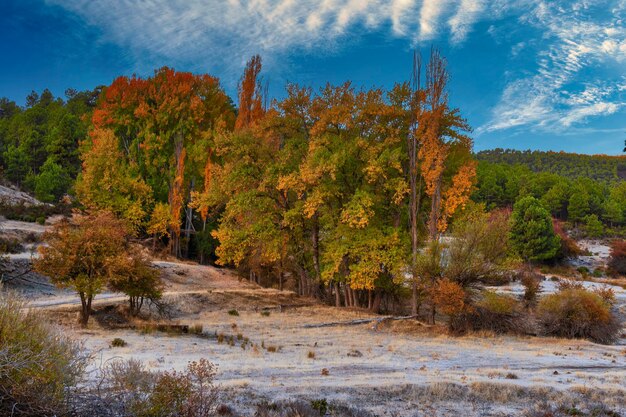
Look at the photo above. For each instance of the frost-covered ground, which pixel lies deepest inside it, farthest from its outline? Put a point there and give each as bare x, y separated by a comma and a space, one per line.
361, 359
398, 368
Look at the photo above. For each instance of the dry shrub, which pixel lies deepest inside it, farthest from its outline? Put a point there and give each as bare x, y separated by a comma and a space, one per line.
498, 313
532, 288
314, 408
569, 248
578, 313
607, 294
570, 284
38, 366
494, 313
450, 298
617, 260
127, 388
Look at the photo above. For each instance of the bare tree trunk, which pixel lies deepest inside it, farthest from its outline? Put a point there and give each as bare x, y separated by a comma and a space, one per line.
413, 176
85, 311
377, 300
315, 240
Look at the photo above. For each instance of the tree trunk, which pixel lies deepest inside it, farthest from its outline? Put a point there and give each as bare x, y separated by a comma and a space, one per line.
85, 311
315, 238
377, 300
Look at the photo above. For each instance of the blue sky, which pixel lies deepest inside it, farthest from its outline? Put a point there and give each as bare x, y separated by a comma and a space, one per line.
528, 74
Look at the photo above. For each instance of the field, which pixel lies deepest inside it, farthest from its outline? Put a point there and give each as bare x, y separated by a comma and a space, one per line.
272, 345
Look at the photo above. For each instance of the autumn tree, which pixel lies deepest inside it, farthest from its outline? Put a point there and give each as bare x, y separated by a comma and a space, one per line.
107, 182
251, 106
617, 260
132, 274
163, 127
81, 255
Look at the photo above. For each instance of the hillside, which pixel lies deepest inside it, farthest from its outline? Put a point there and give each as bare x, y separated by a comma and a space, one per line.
571, 165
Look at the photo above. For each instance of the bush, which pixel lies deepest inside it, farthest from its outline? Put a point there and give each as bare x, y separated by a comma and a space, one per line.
493, 312
233, 312
617, 261
532, 288
578, 313
38, 366
133, 390
117, 342
499, 313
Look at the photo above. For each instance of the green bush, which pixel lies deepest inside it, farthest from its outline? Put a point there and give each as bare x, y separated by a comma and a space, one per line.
233, 312
578, 313
38, 365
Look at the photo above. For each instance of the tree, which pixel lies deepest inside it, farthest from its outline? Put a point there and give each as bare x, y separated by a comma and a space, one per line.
617, 260
479, 248
132, 274
52, 182
82, 255
163, 127
159, 223
593, 226
107, 182
532, 233
578, 206
250, 95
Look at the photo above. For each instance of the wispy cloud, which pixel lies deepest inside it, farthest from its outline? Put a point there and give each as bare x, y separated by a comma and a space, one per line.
572, 37
576, 42
465, 16
185, 29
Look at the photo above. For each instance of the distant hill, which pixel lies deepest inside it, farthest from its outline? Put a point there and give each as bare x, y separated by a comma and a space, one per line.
604, 168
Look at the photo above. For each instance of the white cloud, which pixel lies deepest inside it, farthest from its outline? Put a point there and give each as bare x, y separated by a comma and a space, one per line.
188, 29
576, 42
465, 16
211, 34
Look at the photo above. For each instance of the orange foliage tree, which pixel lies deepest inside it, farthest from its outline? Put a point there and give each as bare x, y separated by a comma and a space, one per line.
164, 128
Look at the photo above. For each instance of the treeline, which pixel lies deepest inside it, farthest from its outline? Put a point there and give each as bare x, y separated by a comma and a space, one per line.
39, 143
581, 200
335, 190
604, 168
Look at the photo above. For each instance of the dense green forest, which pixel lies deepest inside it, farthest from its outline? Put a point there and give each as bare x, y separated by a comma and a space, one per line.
579, 200
570, 165
39, 142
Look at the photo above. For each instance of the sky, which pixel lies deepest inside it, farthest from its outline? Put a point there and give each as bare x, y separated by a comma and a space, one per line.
527, 74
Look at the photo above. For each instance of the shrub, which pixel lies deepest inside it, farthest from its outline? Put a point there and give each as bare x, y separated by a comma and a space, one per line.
233, 312
577, 313
606, 293
450, 298
568, 284
532, 288
117, 342
493, 312
132, 390
617, 260
311, 355
38, 366
499, 313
